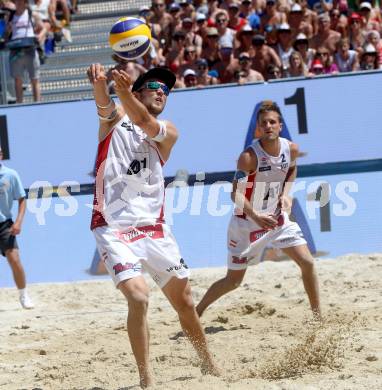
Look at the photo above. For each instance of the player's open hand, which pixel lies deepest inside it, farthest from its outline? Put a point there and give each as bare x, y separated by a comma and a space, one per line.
267, 222
96, 73
122, 81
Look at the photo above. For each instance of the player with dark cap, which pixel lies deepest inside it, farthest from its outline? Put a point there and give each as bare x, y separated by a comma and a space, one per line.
128, 212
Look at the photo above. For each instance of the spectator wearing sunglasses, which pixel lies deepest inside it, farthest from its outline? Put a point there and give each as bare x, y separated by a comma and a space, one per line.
244, 73
338, 22
301, 44
204, 78
192, 38
273, 72
369, 58
317, 68
211, 47
264, 56
356, 32
325, 37
226, 66
297, 22
187, 9
201, 26
189, 59
271, 18
174, 10
323, 54
244, 37
235, 21
374, 38
163, 18
226, 34
175, 55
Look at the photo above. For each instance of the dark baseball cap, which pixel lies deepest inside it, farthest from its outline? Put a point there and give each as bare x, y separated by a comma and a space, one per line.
160, 73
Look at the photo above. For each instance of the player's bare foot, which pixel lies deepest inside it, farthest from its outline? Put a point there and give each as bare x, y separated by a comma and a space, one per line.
210, 369
146, 382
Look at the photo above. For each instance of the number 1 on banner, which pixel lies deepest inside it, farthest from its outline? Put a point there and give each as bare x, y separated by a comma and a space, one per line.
299, 100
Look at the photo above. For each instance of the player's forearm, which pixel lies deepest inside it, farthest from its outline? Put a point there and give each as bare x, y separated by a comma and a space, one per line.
21, 211
289, 180
243, 205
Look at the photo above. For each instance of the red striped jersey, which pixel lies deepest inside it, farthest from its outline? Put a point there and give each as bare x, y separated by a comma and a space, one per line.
129, 188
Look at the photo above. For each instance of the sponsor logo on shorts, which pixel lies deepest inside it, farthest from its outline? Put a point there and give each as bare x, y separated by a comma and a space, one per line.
119, 267
239, 260
257, 234
153, 232
287, 239
263, 169
181, 265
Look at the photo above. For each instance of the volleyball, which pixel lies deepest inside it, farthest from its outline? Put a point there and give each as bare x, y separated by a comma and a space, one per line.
130, 38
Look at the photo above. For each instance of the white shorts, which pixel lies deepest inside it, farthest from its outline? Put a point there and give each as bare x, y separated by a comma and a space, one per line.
147, 248
246, 240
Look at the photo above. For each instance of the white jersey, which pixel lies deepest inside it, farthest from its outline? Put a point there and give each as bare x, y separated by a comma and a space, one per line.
22, 26
129, 189
266, 183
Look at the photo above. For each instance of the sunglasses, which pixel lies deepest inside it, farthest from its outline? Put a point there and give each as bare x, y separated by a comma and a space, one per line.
322, 54
155, 85
189, 52
221, 21
159, 5
244, 59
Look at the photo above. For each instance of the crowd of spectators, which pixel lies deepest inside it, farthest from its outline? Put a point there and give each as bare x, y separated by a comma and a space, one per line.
207, 42
29, 30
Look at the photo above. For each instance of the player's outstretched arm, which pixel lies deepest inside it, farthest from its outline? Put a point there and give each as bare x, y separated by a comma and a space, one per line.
163, 132
108, 112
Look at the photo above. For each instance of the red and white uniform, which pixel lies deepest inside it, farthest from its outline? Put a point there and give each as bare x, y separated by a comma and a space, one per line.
128, 208
246, 239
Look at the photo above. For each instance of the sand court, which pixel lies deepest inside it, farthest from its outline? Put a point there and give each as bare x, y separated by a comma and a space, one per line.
260, 334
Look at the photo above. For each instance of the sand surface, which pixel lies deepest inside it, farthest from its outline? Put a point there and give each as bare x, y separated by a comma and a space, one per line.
260, 334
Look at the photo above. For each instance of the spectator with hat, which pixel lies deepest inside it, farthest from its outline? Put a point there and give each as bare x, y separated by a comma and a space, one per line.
369, 58
284, 46
271, 18
263, 56
203, 76
187, 9
235, 21
192, 38
301, 44
211, 47
356, 36
174, 10
326, 36
226, 66
244, 38
201, 25
297, 23
346, 59
374, 38
317, 68
189, 78
175, 55
244, 73
369, 15
325, 57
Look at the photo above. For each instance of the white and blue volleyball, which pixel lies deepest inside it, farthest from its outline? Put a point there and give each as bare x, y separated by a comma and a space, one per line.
130, 38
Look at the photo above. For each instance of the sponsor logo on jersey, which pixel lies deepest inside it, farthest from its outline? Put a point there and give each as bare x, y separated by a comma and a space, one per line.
239, 260
119, 267
153, 231
267, 168
181, 265
128, 126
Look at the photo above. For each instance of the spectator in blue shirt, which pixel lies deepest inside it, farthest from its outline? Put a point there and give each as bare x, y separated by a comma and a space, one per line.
12, 189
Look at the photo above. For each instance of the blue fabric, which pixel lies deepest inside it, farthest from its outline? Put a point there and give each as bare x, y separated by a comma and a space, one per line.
254, 21
311, 3
11, 189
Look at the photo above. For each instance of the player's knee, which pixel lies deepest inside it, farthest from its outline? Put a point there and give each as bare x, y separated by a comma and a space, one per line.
185, 304
233, 280
306, 264
138, 301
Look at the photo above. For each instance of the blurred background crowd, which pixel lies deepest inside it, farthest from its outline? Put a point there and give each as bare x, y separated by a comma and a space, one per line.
207, 42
